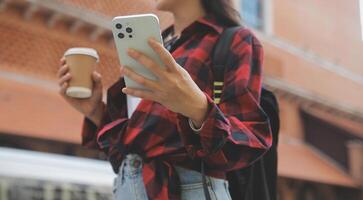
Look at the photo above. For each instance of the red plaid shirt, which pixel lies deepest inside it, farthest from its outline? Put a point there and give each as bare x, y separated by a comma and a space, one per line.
164, 138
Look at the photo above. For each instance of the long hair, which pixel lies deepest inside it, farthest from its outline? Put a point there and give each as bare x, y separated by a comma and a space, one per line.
223, 10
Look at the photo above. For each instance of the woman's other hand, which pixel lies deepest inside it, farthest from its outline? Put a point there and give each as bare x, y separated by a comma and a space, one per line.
174, 89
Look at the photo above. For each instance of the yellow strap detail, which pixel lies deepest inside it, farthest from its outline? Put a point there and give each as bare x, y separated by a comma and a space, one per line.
217, 83
217, 100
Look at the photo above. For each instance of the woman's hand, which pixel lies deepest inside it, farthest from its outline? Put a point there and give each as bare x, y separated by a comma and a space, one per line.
91, 107
175, 89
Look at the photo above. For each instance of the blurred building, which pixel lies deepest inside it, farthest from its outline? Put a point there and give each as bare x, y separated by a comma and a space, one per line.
313, 56
313, 62
34, 34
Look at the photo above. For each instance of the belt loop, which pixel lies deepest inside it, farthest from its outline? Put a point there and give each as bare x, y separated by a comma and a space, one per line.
205, 182
122, 172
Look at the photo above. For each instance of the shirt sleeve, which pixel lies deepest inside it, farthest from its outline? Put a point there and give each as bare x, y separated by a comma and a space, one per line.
114, 110
90, 130
236, 132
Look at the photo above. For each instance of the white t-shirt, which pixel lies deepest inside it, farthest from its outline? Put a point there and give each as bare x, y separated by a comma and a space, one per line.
132, 103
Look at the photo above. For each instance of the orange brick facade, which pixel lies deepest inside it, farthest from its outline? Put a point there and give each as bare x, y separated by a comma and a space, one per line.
312, 62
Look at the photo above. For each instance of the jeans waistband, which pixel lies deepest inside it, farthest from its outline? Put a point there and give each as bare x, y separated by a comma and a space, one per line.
187, 176
132, 164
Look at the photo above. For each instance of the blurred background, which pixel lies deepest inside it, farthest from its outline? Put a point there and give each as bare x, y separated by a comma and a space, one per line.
313, 63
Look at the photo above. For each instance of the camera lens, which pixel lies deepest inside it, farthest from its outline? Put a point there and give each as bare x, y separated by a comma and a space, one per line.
130, 36
121, 35
128, 30
119, 26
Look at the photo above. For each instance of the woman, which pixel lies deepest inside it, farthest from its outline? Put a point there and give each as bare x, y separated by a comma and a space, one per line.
157, 153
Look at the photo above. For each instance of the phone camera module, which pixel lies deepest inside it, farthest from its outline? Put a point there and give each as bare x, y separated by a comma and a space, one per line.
119, 26
121, 35
129, 30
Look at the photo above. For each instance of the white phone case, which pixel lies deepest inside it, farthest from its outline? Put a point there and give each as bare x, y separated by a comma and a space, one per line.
143, 27
133, 31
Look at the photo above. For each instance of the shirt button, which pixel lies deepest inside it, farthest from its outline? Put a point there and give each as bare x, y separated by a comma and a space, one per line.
136, 163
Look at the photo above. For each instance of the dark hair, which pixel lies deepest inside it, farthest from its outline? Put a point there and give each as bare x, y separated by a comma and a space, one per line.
223, 11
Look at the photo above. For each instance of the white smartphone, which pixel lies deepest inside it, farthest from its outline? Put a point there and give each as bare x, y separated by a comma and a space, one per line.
133, 31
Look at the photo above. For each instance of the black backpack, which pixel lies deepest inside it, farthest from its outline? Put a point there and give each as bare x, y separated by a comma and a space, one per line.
258, 181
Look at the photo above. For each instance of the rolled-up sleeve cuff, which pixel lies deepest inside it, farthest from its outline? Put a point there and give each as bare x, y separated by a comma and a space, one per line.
216, 122
90, 130
214, 130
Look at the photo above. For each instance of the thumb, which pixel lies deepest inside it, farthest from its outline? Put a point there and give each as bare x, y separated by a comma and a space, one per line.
97, 79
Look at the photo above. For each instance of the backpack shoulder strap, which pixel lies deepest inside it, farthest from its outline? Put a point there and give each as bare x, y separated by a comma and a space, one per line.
220, 59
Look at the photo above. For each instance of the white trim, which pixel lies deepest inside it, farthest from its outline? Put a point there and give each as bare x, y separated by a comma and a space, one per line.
29, 80
49, 85
82, 51
87, 16
26, 164
279, 84
310, 57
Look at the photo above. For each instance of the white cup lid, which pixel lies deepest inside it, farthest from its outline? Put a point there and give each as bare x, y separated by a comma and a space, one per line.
79, 92
83, 51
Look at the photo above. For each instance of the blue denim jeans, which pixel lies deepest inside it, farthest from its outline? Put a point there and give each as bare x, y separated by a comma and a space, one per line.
129, 185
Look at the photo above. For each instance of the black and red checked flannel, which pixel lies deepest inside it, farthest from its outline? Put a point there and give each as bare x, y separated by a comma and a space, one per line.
164, 138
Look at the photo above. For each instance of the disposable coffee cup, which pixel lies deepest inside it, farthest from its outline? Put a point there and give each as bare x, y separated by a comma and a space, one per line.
81, 63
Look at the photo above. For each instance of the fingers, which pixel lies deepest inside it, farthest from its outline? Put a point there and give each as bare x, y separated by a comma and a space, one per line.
63, 89
96, 77
64, 79
64, 76
62, 70
139, 93
62, 61
150, 84
164, 54
147, 62
97, 80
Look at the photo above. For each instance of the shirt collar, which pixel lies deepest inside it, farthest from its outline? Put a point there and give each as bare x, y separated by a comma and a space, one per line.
211, 22
206, 21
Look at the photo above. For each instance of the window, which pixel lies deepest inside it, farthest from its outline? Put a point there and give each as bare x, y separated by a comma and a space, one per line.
361, 16
257, 14
252, 13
